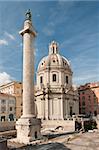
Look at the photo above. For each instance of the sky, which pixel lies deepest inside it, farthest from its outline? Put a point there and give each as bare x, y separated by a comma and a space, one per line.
73, 24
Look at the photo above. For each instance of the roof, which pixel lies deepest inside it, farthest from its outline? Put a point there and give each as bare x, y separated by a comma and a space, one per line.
54, 59
7, 95
10, 83
89, 86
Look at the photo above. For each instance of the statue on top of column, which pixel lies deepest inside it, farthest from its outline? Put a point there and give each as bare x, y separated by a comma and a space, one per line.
28, 15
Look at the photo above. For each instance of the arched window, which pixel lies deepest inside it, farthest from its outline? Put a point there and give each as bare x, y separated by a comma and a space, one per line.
54, 77
35, 134
11, 117
41, 79
2, 118
67, 79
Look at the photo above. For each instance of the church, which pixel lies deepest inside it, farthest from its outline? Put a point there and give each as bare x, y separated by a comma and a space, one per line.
56, 98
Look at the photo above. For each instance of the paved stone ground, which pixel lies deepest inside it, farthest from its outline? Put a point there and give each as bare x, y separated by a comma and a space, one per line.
85, 141
48, 146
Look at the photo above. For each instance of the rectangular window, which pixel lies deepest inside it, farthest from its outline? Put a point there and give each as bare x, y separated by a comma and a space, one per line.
10, 108
83, 92
54, 77
67, 79
11, 101
3, 101
53, 50
3, 109
83, 97
41, 79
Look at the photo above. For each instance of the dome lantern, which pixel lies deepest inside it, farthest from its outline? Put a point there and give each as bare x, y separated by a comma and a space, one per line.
53, 48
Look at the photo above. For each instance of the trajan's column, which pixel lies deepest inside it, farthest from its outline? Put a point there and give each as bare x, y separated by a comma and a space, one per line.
28, 126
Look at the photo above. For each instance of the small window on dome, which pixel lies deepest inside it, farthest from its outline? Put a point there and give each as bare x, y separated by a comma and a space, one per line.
41, 79
53, 61
42, 64
53, 50
67, 79
54, 77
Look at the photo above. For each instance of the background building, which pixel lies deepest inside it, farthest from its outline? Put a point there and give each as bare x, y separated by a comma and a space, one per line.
55, 96
15, 89
7, 107
89, 98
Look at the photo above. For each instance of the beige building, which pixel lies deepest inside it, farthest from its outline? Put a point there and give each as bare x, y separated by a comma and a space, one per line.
7, 107
55, 96
15, 89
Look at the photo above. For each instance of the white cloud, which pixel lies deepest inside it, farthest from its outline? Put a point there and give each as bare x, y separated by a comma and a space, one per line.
10, 36
35, 52
38, 15
82, 79
21, 44
48, 31
5, 78
3, 42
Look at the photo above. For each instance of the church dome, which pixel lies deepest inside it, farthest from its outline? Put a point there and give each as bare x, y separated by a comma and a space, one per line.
54, 92
54, 59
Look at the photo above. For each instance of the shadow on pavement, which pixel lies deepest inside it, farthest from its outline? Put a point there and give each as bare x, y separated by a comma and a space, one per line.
49, 146
51, 135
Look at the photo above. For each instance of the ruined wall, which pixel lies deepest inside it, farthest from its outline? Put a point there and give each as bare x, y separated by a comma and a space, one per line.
7, 125
68, 125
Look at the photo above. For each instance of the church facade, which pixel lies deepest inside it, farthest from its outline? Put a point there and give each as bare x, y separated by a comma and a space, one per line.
56, 99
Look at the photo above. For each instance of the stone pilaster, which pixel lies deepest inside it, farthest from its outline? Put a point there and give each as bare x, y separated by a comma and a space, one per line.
62, 117
46, 107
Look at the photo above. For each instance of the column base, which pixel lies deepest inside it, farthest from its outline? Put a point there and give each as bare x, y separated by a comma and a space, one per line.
28, 130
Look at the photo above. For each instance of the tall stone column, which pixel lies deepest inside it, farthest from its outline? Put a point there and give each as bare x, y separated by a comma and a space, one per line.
28, 34
28, 126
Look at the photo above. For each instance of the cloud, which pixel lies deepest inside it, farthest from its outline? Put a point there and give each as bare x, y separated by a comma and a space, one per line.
82, 79
35, 51
38, 15
3, 42
21, 44
5, 78
10, 36
48, 31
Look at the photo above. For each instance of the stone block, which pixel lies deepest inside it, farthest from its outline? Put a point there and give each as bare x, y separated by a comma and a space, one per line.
28, 130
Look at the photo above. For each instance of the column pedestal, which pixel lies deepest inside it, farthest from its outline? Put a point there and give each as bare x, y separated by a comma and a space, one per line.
28, 130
